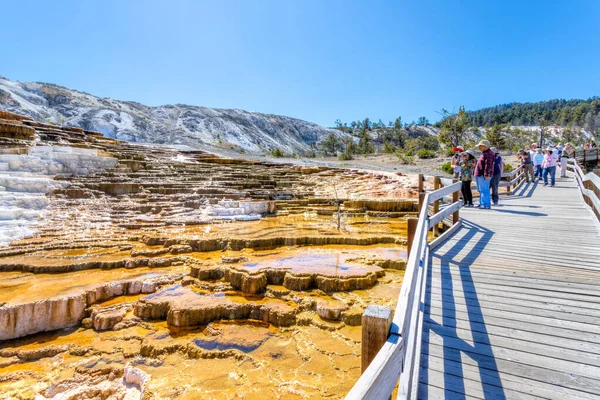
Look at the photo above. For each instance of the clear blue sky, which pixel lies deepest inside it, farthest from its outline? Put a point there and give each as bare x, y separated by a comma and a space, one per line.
316, 60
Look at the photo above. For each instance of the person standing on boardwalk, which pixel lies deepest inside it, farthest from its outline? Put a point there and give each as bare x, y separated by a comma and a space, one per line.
538, 159
527, 164
484, 170
456, 161
534, 149
567, 153
498, 170
549, 166
466, 177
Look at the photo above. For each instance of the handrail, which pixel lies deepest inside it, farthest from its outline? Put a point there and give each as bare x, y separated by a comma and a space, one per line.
589, 184
588, 155
399, 357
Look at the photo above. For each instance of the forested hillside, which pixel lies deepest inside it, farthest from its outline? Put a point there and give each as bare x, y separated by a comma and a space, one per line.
576, 113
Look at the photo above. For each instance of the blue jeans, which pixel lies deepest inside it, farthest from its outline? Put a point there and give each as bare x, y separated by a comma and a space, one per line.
483, 187
552, 172
494, 183
538, 171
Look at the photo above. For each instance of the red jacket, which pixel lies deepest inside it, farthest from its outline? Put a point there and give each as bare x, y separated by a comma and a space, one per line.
485, 164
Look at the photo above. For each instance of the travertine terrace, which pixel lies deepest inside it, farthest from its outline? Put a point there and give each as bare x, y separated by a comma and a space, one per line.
140, 271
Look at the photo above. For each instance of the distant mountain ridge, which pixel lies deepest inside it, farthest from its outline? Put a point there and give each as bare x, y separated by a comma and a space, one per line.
198, 127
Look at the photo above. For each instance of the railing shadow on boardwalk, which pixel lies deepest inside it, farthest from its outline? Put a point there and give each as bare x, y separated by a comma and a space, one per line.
454, 346
528, 187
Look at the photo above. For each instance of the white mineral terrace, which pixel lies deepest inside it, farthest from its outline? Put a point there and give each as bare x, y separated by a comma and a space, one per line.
26, 178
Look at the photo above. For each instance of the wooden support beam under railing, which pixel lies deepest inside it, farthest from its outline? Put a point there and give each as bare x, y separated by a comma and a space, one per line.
376, 322
436, 203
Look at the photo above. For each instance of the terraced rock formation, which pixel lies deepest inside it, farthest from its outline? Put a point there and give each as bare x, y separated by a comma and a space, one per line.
125, 269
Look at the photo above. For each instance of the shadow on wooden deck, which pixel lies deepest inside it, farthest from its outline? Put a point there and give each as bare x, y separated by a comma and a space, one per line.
455, 347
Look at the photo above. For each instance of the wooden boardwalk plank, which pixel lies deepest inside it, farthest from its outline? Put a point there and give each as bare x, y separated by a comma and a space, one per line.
512, 308
508, 380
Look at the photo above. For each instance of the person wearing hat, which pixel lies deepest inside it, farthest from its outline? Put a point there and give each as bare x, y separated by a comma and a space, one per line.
538, 159
527, 164
498, 170
466, 177
456, 161
549, 166
567, 153
534, 149
484, 170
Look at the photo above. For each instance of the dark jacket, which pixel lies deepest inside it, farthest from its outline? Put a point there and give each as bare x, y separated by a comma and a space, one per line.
497, 162
485, 164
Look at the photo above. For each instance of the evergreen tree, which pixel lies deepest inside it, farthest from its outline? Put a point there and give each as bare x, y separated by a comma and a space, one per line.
496, 137
331, 144
365, 144
454, 127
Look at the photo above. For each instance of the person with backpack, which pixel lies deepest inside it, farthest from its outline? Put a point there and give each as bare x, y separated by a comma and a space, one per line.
484, 170
466, 177
498, 170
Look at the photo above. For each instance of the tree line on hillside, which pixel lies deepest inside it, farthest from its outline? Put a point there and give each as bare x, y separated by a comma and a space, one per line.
573, 113
367, 137
461, 128
507, 127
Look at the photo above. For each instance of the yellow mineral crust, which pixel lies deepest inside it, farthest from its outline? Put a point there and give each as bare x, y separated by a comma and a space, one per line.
147, 272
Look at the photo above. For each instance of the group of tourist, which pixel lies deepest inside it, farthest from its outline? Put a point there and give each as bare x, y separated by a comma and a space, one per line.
538, 164
487, 169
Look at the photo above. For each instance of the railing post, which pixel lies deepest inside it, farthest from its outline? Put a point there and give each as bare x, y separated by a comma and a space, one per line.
455, 216
587, 185
376, 323
421, 200
412, 228
436, 204
420, 183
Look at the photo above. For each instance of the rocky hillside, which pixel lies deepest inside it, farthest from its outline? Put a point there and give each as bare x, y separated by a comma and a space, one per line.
197, 127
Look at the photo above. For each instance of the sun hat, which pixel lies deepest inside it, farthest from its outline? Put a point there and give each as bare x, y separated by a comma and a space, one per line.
539, 150
549, 148
458, 148
495, 150
471, 152
485, 143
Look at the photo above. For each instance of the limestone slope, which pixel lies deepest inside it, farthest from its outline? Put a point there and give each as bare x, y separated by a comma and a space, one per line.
198, 127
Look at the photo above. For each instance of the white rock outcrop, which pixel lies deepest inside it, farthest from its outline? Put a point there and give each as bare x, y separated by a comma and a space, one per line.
25, 179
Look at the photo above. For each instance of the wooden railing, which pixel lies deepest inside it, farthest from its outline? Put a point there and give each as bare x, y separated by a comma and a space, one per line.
513, 179
589, 184
399, 357
398, 360
510, 181
587, 156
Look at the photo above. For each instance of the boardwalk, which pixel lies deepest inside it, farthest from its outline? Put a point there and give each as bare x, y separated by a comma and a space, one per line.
512, 306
